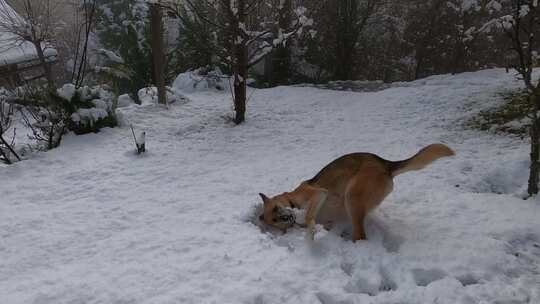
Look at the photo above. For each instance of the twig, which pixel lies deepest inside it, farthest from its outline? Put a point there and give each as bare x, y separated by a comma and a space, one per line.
250, 95
134, 137
9, 148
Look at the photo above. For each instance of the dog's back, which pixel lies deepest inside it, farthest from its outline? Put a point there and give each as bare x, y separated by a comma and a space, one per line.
335, 176
342, 169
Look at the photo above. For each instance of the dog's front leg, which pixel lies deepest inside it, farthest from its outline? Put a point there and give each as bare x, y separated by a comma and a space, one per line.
315, 202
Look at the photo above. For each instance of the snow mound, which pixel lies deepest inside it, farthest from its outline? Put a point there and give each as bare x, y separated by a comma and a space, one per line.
90, 115
201, 80
149, 96
124, 101
67, 91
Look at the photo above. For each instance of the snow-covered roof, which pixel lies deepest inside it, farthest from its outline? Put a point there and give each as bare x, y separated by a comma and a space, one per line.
13, 50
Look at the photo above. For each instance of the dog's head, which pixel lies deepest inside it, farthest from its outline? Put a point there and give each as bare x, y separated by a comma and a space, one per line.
275, 212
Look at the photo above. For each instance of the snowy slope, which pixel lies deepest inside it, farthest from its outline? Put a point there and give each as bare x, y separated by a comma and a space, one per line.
92, 223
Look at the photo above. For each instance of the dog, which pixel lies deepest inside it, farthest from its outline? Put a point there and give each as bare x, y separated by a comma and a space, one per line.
346, 189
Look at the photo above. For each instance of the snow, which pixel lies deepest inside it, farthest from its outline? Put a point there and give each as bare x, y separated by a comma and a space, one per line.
11, 54
90, 115
494, 4
141, 138
67, 91
124, 101
111, 56
149, 96
92, 222
201, 80
99, 96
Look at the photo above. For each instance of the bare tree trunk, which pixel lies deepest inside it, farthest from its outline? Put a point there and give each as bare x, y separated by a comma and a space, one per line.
89, 16
158, 53
418, 67
281, 58
240, 95
458, 56
347, 32
76, 56
535, 149
240, 69
534, 169
46, 67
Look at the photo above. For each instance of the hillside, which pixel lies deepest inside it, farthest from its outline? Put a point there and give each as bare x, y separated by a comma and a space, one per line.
91, 222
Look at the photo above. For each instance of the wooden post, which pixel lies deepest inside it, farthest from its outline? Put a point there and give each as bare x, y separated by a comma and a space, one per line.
158, 51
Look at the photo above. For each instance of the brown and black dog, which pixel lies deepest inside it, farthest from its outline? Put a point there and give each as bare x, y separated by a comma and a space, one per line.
346, 189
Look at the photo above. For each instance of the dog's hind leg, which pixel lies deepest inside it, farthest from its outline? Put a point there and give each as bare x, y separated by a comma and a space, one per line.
364, 192
358, 232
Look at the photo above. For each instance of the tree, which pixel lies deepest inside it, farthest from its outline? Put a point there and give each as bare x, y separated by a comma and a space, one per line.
423, 32
124, 30
158, 52
339, 26
519, 20
246, 33
280, 69
380, 55
36, 24
84, 29
196, 43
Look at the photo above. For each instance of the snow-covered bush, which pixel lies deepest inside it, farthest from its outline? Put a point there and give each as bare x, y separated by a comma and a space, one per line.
49, 115
44, 114
90, 109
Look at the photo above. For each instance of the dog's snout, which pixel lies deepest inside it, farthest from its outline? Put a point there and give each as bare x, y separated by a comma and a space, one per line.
287, 218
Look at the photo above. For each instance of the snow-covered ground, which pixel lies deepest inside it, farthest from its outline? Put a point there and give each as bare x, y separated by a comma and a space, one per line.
91, 222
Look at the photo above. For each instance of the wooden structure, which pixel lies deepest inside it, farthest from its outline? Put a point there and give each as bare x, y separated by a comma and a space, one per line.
21, 72
19, 62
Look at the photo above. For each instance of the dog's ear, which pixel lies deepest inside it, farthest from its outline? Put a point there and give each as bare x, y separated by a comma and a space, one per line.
264, 198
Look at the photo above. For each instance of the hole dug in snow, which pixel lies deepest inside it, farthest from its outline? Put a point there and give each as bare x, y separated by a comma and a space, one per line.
503, 179
380, 232
525, 247
325, 298
467, 279
347, 268
253, 218
423, 277
371, 283
387, 284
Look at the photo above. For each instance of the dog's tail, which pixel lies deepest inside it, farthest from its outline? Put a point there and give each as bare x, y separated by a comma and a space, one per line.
423, 158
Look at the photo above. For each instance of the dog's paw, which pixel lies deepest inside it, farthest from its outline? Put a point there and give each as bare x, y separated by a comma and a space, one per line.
310, 235
310, 231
